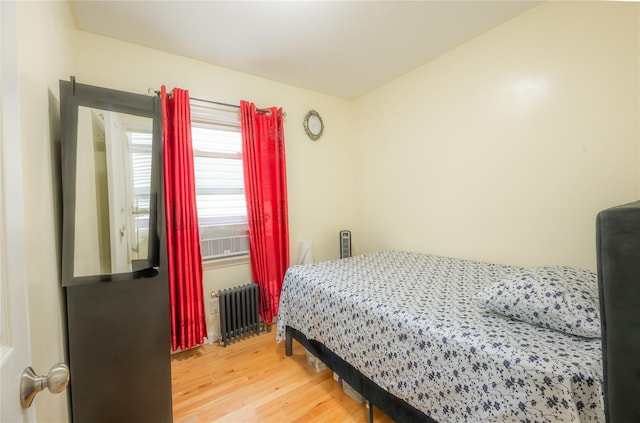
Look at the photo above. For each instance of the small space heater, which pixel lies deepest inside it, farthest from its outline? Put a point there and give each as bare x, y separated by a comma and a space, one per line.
345, 244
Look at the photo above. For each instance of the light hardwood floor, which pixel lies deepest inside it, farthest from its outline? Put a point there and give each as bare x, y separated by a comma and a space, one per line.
253, 381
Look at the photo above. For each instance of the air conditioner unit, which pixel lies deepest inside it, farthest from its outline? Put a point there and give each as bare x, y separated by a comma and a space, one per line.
345, 244
224, 246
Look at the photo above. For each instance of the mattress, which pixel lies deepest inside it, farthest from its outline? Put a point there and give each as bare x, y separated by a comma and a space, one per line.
408, 322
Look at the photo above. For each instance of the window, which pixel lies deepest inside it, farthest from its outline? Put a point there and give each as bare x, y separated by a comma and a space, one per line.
217, 151
222, 211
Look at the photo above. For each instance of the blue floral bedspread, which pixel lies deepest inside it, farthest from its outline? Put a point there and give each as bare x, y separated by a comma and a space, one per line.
408, 322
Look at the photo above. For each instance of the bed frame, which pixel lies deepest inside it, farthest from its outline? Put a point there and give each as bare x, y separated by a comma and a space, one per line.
399, 410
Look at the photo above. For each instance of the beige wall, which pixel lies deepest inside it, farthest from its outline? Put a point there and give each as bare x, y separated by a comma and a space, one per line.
320, 174
503, 149
45, 55
506, 148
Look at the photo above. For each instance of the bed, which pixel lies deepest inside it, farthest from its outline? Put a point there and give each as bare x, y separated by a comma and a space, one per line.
438, 339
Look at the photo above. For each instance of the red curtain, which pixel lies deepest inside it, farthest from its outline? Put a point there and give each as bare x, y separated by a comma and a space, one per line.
186, 297
265, 181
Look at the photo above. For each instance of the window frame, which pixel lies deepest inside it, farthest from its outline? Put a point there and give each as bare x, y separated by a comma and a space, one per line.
208, 116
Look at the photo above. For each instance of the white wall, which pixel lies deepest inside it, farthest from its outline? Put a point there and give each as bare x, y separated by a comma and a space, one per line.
505, 148
45, 55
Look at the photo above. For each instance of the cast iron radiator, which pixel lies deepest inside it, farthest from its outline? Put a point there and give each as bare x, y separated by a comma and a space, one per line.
239, 312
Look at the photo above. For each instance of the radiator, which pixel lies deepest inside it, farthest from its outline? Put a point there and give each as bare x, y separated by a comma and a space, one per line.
239, 312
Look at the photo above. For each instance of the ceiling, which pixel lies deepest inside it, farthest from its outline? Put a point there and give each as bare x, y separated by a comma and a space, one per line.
341, 48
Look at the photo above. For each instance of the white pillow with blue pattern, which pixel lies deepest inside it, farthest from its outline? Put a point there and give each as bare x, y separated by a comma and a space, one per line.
556, 297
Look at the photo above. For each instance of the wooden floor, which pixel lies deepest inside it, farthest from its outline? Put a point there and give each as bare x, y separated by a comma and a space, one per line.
253, 381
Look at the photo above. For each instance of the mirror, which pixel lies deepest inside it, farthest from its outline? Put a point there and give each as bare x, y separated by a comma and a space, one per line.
113, 182
111, 154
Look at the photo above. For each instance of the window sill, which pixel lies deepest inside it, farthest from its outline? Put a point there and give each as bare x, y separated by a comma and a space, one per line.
225, 262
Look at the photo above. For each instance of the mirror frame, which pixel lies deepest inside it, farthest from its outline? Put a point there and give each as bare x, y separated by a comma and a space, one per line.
72, 96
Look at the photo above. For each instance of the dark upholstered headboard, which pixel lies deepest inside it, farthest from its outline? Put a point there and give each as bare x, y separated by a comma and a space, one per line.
618, 251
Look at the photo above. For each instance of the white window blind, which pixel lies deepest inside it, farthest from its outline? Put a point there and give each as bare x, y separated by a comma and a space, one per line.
222, 211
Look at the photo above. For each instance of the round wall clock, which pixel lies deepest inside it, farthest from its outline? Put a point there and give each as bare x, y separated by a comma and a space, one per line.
313, 125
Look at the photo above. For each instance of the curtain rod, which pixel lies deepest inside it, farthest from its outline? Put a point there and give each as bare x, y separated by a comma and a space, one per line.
232, 105
219, 103
215, 102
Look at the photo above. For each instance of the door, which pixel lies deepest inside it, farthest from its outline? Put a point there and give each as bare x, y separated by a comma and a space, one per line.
118, 328
15, 353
